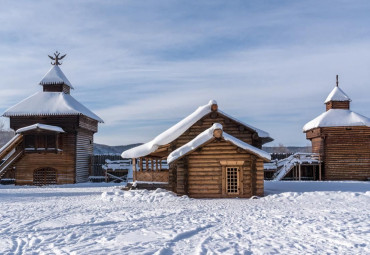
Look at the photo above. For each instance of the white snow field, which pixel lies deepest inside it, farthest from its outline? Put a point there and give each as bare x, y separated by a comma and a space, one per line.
293, 218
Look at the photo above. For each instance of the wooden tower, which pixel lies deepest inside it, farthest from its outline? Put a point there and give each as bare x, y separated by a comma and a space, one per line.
342, 138
54, 134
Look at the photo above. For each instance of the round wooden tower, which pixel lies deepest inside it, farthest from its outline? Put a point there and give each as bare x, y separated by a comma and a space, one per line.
54, 134
342, 138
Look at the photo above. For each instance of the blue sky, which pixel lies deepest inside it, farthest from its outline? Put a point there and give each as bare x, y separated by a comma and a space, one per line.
144, 65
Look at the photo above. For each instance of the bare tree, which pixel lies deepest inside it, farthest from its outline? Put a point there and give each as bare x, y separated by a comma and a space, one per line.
281, 149
5, 135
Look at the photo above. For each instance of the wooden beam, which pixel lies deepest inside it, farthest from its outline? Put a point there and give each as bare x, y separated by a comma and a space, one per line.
141, 164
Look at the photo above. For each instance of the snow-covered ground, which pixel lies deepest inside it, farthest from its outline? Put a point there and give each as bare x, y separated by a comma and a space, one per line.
293, 218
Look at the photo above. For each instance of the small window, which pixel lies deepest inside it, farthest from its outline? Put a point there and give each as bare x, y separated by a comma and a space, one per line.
232, 180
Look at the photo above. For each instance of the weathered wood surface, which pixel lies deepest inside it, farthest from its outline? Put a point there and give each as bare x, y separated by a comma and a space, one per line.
206, 172
337, 105
230, 126
63, 162
84, 151
73, 163
57, 88
152, 176
17, 140
345, 152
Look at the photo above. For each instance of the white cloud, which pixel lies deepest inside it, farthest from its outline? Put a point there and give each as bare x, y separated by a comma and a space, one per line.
142, 67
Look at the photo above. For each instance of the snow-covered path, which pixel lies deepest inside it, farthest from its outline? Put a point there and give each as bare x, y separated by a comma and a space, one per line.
294, 218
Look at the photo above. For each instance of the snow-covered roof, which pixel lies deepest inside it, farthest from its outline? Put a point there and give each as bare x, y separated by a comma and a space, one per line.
260, 132
177, 130
39, 126
50, 103
337, 118
337, 94
55, 76
207, 135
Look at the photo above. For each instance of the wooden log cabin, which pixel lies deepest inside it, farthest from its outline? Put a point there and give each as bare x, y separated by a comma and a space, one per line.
209, 154
342, 139
54, 135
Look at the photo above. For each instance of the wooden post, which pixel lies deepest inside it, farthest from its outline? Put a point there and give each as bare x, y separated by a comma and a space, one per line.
156, 164
320, 171
134, 168
223, 180
57, 143
152, 164
146, 164
314, 172
160, 164
299, 172
141, 164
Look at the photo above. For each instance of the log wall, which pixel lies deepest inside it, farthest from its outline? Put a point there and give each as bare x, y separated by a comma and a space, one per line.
202, 173
344, 150
347, 153
63, 162
337, 105
73, 163
84, 151
229, 126
69, 123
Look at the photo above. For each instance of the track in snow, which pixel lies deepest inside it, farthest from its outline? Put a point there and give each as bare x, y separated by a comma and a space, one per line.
88, 219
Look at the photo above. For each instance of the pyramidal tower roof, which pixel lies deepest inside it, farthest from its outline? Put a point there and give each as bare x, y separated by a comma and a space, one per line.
337, 94
55, 76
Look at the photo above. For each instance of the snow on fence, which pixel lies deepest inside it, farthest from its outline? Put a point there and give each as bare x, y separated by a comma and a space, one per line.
284, 166
98, 161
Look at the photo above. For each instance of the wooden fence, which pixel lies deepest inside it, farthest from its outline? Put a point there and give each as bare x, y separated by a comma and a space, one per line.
98, 161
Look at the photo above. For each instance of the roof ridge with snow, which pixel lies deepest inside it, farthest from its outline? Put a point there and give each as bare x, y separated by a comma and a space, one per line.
206, 136
40, 126
50, 103
178, 129
337, 118
55, 76
337, 94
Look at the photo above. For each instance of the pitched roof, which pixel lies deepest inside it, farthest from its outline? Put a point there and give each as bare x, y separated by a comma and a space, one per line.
337, 118
39, 126
337, 94
55, 76
206, 136
50, 103
178, 129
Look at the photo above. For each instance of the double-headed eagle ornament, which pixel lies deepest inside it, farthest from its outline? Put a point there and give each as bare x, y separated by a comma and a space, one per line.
56, 58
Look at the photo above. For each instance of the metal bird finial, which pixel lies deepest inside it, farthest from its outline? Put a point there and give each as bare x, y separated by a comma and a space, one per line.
56, 58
